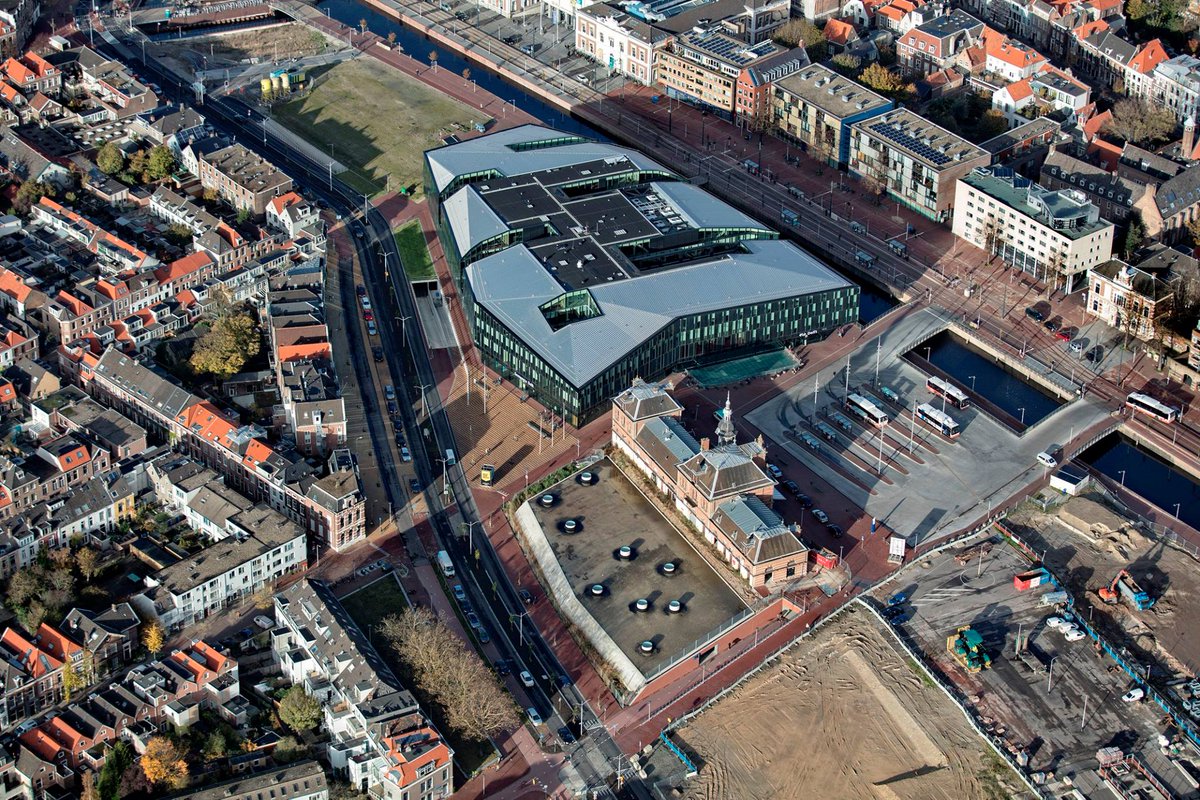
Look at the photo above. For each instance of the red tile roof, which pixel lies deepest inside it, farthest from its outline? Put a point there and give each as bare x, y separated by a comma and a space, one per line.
1010, 51
1019, 91
35, 662
183, 266
13, 286
1148, 56
839, 32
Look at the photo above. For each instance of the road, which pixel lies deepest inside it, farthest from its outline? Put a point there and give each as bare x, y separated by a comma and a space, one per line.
487, 585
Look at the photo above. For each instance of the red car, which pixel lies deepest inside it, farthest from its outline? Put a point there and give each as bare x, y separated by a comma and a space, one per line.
1067, 333
368, 315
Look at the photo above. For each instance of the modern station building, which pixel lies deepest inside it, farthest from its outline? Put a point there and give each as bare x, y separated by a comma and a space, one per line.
583, 265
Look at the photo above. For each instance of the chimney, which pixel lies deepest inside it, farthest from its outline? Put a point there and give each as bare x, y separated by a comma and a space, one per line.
1189, 138
704, 443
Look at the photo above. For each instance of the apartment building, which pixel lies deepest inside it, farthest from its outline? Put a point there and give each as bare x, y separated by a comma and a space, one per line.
1176, 85
330, 508
1008, 58
702, 67
935, 45
108, 636
242, 178
756, 83
379, 739
1117, 197
1128, 299
304, 780
815, 108
259, 546
1056, 236
916, 162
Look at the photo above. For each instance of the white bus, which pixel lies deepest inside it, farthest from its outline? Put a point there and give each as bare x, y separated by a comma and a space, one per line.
1146, 404
954, 395
865, 410
937, 420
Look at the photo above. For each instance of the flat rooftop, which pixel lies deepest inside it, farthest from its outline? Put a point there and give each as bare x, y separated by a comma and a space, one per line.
916, 136
834, 94
612, 513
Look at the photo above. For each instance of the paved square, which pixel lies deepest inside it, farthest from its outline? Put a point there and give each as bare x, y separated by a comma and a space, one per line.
612, 513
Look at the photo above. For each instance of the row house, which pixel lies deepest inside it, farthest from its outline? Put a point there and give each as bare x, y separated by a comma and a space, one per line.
109, 636
1107, 60
901, 16
32, 677
71, 411
1048, 91
17, 296
915, 161
756, 83
156, 696
17, 18
59, 464
312, 411
379, 739
936, 45
18, 341
290, 213
1176, 85
724, 491
212, 236
304, 780
30, 73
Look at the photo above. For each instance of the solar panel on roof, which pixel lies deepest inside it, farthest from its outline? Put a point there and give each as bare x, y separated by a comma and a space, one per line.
895, 134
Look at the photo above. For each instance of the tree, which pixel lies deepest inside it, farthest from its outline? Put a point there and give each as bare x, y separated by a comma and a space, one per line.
60, 557
882, 80
433, 60
450, 674
466, 73
22, 587
362, 25
87, 787
230, 342
1138, 10
846, 63
163, 763
61, 581
72, 679
33, 616
288, 749
299, 710
119, 759
1140, 122
161, 162
215, 747
153, 637
802, 33
30, 193
110, 159
391, 38
873, 187
1135, 234
88, 562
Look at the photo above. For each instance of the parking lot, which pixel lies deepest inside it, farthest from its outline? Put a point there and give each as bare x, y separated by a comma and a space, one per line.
947, 481
612, 513
1061, 702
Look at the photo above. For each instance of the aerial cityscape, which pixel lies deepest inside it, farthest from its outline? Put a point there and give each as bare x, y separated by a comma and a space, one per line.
598, 399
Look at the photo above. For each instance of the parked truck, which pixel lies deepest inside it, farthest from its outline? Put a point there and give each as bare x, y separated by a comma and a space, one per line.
443, 559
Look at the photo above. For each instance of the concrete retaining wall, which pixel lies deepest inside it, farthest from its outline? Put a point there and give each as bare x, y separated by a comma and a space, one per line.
568, 604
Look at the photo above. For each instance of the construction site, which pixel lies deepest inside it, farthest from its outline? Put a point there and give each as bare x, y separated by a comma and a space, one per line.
843, 714
1014, 644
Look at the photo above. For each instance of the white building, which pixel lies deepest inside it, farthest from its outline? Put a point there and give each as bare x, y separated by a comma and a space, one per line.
1057, 236
1177, 86
260, 546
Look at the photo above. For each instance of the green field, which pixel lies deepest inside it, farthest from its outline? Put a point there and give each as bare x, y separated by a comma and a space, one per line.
378, 120
414, 255
369, 605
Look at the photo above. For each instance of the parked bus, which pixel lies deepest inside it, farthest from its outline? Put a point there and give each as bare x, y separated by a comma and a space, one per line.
954, 395
1146, 404
938, 420
865, 410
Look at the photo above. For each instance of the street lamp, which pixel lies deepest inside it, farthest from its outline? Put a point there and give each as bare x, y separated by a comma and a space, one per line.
403, 330
1050, 674
444, 468
1177, 511
1122, 478
972, 379
1022, 410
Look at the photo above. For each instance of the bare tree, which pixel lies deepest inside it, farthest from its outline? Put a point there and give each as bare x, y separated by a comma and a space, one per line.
450, 673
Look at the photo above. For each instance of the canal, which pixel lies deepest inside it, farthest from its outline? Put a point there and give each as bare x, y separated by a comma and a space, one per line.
873, 302
988, 378
1147, 475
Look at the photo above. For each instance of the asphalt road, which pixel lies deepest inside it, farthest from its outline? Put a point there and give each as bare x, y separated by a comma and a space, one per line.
483, 577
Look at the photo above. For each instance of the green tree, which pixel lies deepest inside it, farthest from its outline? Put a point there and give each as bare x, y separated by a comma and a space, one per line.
160, 163
72, 679
1139, 122
215, 747
802, 33
230, 342
1134, 235
30, 193
846, 63
110, 159
22, 586
120, 757
299, 710
882, 80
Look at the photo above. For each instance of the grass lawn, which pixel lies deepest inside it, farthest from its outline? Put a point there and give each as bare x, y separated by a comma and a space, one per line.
379, 121
414, 255
367, 607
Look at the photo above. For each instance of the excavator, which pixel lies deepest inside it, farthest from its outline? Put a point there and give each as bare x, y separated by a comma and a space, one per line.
1124, 586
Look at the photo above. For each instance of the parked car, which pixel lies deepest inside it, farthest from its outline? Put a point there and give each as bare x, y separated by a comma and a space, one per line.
775, 471
389, 391
1095, 354
362, 290
565, 734
526, 679
836, 530
1078, 345
460, 594
377, 352
414, 485
1053, 324
1067, 333
369, 315
264, 622
1056, 622
405, 455
525, 596
821, 516
534, 716
473, 619
392, 407
482, 633
503, 667
371, 329
366, 303
1034, 313
805, 500
1134, 695
792, 487
399, 439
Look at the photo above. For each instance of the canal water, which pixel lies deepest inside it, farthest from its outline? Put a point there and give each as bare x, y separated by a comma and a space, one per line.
1147, 475
992, 380
873, 302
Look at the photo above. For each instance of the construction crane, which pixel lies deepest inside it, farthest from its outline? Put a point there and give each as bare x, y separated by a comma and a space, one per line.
1124, 586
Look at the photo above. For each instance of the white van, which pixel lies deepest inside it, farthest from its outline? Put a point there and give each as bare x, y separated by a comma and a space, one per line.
1047, 459
450, 459
443, 559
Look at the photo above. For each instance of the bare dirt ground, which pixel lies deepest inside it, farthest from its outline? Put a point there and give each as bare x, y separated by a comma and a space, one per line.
844, 715
291, 40
1087, 543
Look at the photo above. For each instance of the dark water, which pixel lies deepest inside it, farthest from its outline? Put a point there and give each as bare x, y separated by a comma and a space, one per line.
992, 381
349, 12
1147, 475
